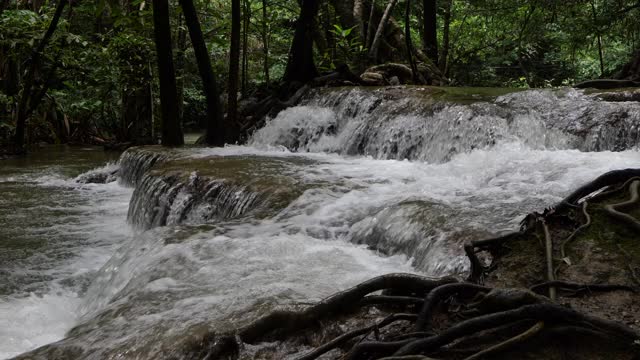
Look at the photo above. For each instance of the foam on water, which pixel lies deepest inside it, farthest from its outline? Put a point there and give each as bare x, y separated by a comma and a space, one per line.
35, 320
56, 233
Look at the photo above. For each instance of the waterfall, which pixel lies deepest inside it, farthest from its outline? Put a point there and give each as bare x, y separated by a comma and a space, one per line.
412, 124
136, 162
171, 200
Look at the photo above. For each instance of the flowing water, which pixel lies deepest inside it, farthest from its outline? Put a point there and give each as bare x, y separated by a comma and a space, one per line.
349, 185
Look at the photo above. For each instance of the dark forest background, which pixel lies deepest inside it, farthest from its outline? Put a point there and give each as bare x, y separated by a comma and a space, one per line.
134, 71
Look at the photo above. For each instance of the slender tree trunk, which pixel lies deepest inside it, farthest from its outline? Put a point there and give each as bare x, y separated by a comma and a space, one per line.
29, 99
407, 35
265, 41
370, 25
443, 60
215, 128
598, 36
430, 30
301, 66
181, 48
375, 44
234, 64
358, 16
246, 14
171, 129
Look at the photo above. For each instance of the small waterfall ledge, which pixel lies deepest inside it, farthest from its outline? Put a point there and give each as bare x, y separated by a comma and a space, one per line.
172, 188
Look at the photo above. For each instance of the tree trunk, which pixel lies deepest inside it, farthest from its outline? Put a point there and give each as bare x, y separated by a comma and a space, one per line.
136, 114
181, 48
171, 129
407, 35
215, 127
234, 64
25, 105
375, 44
246, 14
444, 59
598, 36
370, 25
265, 41
301, 66
358, 16
430, 30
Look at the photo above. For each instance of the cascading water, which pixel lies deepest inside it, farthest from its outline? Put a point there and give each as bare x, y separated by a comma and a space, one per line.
346, 186
404, 125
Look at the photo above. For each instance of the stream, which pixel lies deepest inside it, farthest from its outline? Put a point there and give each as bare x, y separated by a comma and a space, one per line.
348, 185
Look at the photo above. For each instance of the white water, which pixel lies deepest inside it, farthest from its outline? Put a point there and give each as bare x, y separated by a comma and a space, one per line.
355, 213
81, 225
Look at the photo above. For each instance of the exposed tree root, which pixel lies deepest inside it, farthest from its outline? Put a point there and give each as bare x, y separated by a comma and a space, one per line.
508, 343
548, 244
616, 210
437, 295
573, 235
342, 339
607, 179
550, 313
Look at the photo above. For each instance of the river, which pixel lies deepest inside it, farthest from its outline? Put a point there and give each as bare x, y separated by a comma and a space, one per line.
349, 185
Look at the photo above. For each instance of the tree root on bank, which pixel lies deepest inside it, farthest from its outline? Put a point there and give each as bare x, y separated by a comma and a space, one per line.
431, 318
615, 210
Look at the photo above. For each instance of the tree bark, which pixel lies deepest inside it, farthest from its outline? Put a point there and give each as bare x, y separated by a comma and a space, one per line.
430, 30
215, 126
375, 44
181, 48
301, 66
25, 105
443, 60
407, 35
246, 15
171, 129
370, 25
598, 36
265, 42
358, 16
234, 64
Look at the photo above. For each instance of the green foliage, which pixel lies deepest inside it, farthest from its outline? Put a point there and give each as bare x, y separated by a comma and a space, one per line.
349, 48
528, 43
105, 51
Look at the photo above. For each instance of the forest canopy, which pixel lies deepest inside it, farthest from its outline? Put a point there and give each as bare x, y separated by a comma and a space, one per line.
91, 72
